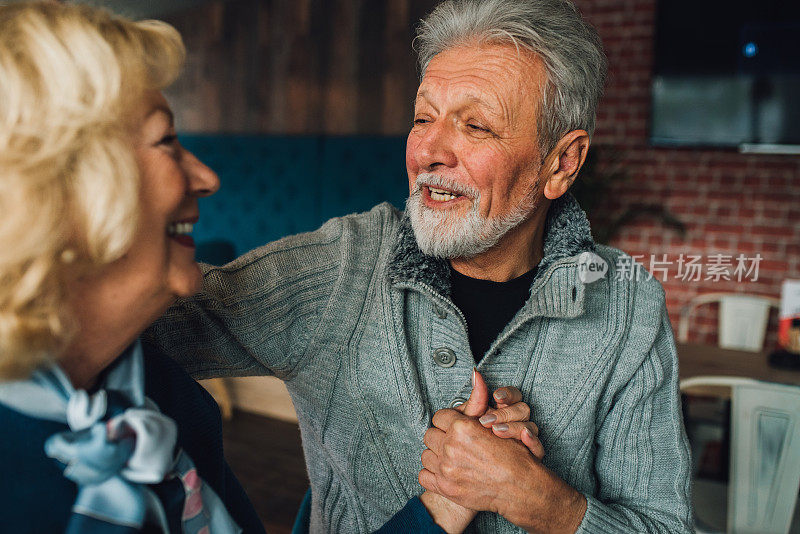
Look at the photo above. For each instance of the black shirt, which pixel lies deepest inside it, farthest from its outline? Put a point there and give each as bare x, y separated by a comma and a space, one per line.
488, 306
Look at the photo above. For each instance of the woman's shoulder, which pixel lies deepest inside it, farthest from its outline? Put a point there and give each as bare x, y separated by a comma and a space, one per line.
191, 407
199, 430
23, 439
35, 496
173, 389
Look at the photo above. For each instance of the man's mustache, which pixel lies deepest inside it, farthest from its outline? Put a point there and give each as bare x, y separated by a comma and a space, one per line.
430, 179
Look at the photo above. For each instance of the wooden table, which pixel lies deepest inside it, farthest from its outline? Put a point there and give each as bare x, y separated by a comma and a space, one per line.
703, 360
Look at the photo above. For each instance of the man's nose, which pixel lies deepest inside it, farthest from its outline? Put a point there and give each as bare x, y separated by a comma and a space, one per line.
436, 147
202, 180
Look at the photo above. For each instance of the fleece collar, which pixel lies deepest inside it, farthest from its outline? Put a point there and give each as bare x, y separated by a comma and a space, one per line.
567, 233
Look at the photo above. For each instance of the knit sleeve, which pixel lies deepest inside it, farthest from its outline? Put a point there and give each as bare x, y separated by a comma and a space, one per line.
255, 315
642, 462
413, 517
258, 314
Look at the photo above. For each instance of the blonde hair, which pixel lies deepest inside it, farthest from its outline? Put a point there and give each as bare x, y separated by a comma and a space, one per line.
70, 79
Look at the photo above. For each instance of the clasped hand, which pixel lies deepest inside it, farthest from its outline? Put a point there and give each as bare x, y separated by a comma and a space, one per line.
479, 458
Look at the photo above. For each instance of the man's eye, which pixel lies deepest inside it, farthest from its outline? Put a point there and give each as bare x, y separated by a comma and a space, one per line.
478, 128
420, 121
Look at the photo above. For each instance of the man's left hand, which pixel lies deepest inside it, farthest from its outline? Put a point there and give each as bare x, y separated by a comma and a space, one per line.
469, 465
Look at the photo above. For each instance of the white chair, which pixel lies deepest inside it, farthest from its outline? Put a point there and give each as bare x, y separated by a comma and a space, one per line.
742, 319
764, 474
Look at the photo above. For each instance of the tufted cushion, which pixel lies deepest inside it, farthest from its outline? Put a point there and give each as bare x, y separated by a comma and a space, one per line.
277, 186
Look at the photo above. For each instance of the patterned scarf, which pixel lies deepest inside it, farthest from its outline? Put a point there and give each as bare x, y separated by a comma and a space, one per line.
118, 442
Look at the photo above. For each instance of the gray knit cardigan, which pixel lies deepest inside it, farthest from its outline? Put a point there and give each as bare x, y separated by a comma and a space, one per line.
349, 316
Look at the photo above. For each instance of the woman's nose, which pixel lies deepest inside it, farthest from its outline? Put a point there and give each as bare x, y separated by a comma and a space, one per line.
202, 180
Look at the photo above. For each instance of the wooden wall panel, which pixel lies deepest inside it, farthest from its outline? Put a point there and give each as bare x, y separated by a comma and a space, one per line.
399, 76
370, 54
298, 66
340, 67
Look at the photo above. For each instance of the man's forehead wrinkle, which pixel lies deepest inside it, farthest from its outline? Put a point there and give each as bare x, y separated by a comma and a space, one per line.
465, 90
424, 96
502, 78
497, 56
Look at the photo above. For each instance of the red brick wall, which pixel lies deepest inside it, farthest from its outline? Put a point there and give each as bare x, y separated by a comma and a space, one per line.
731, 203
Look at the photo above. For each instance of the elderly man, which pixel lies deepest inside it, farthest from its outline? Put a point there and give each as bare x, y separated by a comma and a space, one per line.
376, 320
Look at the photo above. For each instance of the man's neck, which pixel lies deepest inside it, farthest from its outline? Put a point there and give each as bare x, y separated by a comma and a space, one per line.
519, 251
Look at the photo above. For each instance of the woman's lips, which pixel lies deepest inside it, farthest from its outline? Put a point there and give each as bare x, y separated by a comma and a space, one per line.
184, 239
181, 231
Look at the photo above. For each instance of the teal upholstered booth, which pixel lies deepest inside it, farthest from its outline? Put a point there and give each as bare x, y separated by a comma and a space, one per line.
277, 186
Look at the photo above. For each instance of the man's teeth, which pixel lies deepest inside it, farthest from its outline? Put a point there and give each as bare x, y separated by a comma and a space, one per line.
440, 194
180, 228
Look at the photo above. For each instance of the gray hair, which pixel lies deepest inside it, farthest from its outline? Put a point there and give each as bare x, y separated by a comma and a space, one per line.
553, 29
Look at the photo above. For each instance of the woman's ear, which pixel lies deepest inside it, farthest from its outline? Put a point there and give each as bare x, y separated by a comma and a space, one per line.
563, 163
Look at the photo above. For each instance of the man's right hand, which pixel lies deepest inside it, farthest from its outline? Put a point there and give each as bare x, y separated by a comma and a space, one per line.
508, 420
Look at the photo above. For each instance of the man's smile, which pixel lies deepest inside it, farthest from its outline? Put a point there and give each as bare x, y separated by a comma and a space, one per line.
440, 197
441, 194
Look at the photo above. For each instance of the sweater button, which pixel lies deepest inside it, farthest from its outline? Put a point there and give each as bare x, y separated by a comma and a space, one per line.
444, 357
440, 312
458, 401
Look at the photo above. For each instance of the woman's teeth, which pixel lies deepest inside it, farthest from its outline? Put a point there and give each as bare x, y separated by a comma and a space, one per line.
180, 228
440, 194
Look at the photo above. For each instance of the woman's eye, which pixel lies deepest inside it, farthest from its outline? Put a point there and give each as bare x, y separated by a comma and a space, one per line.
168, 139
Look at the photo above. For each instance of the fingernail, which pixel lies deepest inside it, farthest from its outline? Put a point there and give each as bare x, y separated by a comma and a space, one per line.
474, 370
502, 427
488, 419
530, 434
500, 394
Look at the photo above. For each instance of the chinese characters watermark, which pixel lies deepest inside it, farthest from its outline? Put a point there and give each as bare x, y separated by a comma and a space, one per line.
690, 268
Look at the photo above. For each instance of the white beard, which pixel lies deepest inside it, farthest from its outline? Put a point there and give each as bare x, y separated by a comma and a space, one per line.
445, 234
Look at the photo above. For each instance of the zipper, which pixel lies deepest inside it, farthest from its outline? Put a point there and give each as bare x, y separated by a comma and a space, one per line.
436, 295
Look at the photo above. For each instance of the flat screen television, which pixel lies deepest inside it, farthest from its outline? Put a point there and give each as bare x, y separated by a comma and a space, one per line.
727, 74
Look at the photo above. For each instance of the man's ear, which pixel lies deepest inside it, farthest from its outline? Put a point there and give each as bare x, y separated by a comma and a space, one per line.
562, 164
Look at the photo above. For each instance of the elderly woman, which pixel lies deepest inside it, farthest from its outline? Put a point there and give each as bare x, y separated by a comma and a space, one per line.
98, 200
